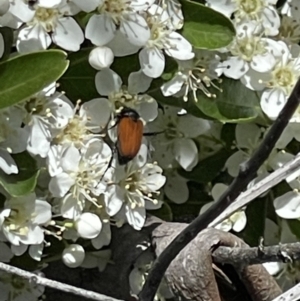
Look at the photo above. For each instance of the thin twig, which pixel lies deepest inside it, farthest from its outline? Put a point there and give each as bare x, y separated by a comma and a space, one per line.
248, 256
247, 173
256, 190
33, 278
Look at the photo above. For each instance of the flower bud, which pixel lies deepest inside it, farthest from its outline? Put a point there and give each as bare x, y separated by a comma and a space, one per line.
101, 57
73, 256
88, 225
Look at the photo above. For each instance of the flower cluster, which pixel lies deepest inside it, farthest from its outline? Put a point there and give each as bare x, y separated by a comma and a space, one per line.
80, 189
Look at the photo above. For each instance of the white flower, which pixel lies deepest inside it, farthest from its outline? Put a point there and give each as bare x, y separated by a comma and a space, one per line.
91, 118
44, 24
22, 218
16, 288
163, 38
47, 112
73, 255
176, 141
109, 83
279, 82
193, 75
78, 171
237, 221
13, 138
262, 11
101, 57
249, 50
120, 15
132, 190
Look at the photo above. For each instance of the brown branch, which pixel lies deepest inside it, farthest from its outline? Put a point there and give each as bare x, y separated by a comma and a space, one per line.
247, 173
241, 256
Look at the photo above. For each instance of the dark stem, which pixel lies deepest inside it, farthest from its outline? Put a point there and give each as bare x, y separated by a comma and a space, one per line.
247, 173
248, 256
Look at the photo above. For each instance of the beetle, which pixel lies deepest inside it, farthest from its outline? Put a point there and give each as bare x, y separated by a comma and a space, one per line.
129, 135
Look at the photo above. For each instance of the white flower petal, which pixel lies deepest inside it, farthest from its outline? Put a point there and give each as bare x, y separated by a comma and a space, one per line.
152, 62
36, 251
42, 212
7, 163
272, 101
68, 34
138, 82
135, 29
71, 207
186, 153
174, 85
121, 46
32, 39
136, 217
235, 67
176, 189
107, 81
97, 112
100, 29
113, 200
288, 205
182, 49
60, 184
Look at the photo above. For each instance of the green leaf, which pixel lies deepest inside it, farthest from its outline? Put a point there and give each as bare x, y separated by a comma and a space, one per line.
164, 212
205, 27
190, 210
256, 215
233, 103
79, 80
125, 65
207, 169
8, 38
25, 181
294, 226
24, 75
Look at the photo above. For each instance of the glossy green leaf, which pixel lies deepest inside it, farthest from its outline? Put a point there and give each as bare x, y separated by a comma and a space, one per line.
294, 226
164, 212
233, 102
207, 169
79, 80
25, 181
8, 38
24, 75
190, 210
205, 27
